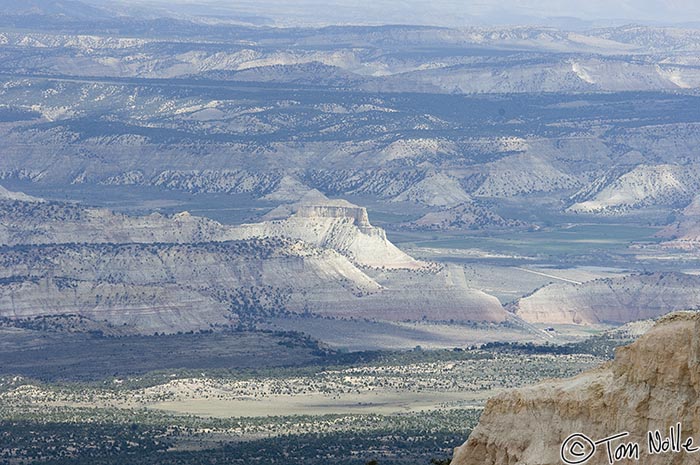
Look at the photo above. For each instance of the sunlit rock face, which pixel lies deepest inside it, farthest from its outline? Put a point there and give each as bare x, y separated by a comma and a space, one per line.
652, 384
175, 273
616, 300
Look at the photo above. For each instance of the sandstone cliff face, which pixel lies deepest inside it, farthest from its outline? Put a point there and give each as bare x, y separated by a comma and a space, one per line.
611, 300
335, 224
358, 215
651, 385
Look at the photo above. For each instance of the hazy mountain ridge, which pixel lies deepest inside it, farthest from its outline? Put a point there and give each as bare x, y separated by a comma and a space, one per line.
64, 8
215, 135
128, 150
382, 58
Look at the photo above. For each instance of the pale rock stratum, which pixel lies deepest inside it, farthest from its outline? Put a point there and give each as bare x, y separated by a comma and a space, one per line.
331, 223
616, 300
652, 384
183, 273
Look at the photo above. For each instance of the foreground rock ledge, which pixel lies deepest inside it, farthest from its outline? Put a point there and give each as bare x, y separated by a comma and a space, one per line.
651, 385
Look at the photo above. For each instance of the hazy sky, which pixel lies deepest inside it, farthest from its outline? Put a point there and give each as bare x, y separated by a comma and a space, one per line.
453, 12
665, 10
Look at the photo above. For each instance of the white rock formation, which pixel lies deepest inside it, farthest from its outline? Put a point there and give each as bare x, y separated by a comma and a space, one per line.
179, 273
335, 224
9, 195
643, 186
435, 190
611, 300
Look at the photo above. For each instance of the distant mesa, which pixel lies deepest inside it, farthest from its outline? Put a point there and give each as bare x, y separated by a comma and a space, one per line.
616, 300
180, 273
334, 223
310, 198
316, 205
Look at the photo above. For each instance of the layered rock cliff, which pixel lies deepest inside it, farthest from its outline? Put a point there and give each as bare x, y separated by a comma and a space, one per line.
652, 384
611, 300
335, 224
180, 273
645, 185
315, 219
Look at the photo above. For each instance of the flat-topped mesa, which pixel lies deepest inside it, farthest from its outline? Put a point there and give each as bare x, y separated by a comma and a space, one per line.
652, 385
357, 214
334, 223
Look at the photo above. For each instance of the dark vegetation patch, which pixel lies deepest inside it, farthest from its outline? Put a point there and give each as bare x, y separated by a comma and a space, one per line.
601, 345
137, 443
92, 357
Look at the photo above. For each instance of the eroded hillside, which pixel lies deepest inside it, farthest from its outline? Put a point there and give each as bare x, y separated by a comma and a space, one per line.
184, 273
650, 386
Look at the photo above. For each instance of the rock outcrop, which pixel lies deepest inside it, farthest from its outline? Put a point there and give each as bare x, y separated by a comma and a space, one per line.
331, 223
181, 273
611, 300
436, 190
643, 186
651, 385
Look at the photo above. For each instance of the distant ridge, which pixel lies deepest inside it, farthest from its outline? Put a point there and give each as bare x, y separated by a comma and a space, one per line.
9, 195
69, 8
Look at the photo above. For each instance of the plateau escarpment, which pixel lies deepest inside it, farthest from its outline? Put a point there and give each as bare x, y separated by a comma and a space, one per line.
650, 386
182, 273
172, 287
611, 300
315, 219
335, 224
